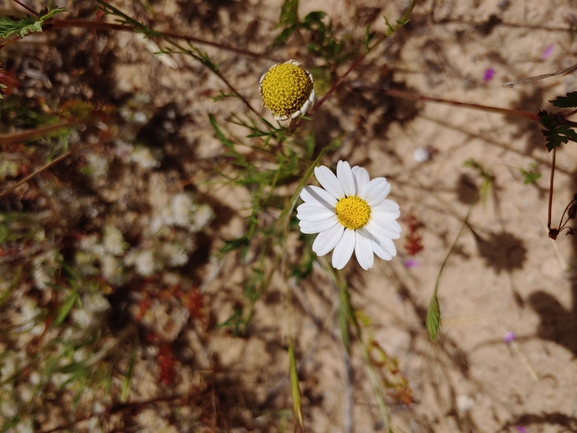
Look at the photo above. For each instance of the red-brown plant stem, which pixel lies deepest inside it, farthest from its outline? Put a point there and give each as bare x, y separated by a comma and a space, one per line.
37, 172
219, 75
402, 21
340, 80
46, 166
9, 41
359, 59
515, 113
334, 87
61, 24
57, 24
28, 8
550, 203
18, 137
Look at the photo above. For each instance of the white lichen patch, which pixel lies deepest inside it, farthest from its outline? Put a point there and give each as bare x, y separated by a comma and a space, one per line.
113, 241
142, 260
166, 320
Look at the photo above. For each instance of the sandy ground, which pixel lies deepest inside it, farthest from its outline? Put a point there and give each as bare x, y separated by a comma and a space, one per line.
504, 276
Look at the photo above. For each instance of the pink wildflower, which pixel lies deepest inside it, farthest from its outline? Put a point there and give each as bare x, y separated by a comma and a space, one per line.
547, 53
489, 74
509, 337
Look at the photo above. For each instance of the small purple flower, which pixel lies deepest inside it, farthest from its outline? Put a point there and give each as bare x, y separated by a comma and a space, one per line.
521, 429
509, 337
411, 263
489, 74
547, 53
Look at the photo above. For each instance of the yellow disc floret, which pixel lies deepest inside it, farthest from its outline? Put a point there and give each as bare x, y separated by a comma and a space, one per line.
285, 88
353, 212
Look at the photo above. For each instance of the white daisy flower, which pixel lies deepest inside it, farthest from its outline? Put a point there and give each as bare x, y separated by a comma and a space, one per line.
350, 213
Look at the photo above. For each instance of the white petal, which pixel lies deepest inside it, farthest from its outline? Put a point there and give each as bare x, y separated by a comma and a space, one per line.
385, 219
384, 225
344, 249
327, 240
314, 194
306, 106
329, 182
310, 227
388, 206
364, 252
382, 246
313, 212
385, 249
346, 178
376, 191
361, 178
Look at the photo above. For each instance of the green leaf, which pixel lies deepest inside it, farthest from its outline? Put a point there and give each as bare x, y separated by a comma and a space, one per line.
234, 244
8, 424
433, 317
223, 95
401, 23
283, 36
346, 315
66, 307
74, 368
4, 232
289, 19
10, 25
129, 375
567, 101
289, 13
295, 390
235, 321
368, 37
46, 14
315, 17
219, 134
530, 175
557, 129
390, 28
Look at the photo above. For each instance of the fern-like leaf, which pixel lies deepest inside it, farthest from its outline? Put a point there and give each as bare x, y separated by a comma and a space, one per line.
10, 25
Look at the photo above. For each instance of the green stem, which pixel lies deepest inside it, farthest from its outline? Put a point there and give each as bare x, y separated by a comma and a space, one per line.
349, 311
434, 311
295, 390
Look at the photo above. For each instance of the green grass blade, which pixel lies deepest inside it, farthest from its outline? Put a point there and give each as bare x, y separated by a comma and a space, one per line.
433, 317
295, 391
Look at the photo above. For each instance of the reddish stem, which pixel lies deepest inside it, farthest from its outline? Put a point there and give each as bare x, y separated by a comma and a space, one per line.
18, 137
28, 8
551, 178
515, 113
61, 24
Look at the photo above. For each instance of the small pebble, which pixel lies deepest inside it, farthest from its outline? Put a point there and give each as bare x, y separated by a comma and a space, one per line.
421, 154
464, 403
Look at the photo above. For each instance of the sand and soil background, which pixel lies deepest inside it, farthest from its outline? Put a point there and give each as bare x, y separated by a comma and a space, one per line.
147, 344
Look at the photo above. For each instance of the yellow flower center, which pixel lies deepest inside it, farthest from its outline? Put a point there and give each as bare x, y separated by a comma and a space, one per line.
353, 212
285, 88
